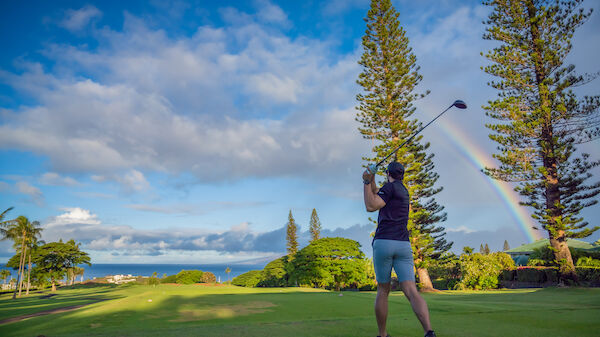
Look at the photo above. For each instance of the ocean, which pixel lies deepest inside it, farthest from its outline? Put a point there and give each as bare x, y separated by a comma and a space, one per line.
101, 270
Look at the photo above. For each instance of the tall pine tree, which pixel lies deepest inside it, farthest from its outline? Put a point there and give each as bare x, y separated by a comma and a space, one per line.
315, 226
389, 77
292, 236
540, 119
506, 246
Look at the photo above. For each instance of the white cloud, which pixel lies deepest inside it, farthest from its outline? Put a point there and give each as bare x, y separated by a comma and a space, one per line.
74, 215
55, 179
463, 237
135, 180
195, 209
462, 229
33, 192
272, 87
201, 104
239, 241
270, 13
76, 20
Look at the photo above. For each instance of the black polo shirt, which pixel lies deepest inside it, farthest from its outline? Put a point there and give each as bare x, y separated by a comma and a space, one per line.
393, 217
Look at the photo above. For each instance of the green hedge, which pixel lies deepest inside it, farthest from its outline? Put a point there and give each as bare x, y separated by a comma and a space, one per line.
588, 275
541, 275
537, 274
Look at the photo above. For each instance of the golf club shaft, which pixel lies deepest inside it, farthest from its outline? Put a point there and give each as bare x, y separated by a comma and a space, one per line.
411, 137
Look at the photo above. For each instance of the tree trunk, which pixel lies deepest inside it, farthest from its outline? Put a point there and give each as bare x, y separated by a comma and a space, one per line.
23, 270
562, 254
552, 189
28, 275
21, 263
53, 286
425, 280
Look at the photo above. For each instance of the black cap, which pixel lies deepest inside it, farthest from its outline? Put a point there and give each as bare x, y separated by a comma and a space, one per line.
396, 170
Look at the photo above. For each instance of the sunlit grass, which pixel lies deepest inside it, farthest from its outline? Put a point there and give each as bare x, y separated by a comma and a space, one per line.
196, 310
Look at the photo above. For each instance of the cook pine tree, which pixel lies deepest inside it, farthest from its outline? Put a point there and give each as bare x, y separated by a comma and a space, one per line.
388, 79
315, 226
538, 120
292, 236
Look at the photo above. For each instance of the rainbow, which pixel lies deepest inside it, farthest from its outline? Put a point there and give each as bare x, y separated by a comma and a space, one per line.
480, 159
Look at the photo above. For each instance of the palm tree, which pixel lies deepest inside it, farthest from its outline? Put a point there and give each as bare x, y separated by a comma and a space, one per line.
2, 222
4, 274
227, 271
23, 231
76, 272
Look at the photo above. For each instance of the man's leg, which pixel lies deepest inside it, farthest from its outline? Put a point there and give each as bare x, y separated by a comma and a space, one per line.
381, 307
417, 302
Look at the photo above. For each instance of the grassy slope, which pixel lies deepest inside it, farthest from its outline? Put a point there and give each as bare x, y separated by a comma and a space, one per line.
232, 311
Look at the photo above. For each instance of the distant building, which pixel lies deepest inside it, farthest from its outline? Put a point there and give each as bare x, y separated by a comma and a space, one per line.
521, 254
120, 279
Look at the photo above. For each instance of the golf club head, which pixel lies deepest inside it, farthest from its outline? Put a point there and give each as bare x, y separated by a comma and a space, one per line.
460, 104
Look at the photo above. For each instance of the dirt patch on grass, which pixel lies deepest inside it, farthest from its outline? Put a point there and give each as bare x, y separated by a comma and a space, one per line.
45, 312
223, 311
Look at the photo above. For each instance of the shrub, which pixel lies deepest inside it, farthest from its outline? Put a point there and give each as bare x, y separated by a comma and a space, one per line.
189, 276
543, 256
169, 279
446, 273
576, 254
588, 274
480, 271
153, 281
537, 262
249, 279
586, 261
208, 277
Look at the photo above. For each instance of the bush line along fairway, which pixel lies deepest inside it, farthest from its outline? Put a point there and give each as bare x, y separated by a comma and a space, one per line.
208, 310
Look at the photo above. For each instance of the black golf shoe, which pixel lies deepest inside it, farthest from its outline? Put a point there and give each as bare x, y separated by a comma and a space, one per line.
430, 333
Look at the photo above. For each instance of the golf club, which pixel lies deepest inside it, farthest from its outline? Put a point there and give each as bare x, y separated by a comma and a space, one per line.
458, 103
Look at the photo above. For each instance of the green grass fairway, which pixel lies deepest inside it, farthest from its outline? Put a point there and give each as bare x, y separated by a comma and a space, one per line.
199, 310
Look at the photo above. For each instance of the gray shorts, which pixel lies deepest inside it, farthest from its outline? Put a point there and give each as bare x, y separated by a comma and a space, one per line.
388, 253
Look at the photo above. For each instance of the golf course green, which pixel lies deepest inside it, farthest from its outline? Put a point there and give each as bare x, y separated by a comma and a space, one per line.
222, 310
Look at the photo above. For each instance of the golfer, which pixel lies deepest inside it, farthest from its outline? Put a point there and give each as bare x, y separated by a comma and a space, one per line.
391, 245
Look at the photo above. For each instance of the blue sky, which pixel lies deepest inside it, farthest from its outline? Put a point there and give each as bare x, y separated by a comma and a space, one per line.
184, 132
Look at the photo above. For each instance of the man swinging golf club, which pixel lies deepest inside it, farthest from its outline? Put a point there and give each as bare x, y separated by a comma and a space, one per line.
391, 245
